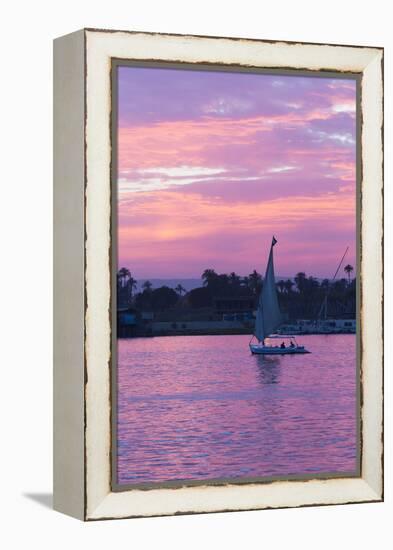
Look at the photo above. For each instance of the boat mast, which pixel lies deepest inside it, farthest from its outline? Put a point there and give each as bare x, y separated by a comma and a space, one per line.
324, 303
268, 316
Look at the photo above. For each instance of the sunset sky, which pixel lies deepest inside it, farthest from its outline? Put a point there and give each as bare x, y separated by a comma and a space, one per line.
212, 164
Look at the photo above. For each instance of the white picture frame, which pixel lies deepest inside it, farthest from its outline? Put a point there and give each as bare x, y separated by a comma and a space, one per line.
82, 258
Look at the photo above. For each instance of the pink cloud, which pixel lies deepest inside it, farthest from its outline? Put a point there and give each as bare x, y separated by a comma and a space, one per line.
207, 178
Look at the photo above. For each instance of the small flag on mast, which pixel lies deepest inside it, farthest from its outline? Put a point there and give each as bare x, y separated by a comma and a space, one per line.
274, 240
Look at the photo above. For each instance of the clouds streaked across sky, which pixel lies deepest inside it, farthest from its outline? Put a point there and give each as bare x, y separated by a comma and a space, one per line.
211, 164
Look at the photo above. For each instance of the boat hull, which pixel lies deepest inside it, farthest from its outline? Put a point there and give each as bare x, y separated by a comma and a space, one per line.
257, 349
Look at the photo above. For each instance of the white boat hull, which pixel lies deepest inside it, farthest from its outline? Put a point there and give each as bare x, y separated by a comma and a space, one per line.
259, 349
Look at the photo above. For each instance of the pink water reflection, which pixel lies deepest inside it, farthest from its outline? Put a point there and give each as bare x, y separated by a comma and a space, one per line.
199, 408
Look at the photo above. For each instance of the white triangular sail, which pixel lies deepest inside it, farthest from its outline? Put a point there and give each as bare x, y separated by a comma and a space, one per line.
268, 316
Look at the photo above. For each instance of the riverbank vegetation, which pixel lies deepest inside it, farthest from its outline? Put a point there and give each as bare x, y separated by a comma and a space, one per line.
302, 296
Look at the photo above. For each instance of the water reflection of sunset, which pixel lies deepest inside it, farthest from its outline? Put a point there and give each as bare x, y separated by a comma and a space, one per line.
192, 416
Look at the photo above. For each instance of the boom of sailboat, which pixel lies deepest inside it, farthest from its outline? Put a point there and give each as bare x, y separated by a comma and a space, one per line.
268, 319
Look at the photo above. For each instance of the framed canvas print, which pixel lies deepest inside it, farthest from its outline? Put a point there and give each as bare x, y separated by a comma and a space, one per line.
218, 274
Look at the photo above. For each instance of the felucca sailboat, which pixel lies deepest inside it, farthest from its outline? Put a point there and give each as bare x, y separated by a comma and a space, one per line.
268, 319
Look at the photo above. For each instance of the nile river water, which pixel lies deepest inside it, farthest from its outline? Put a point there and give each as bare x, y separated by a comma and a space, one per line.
202, 407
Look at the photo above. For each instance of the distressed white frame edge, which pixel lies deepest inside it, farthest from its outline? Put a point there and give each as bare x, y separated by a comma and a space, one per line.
101, 503
69, 272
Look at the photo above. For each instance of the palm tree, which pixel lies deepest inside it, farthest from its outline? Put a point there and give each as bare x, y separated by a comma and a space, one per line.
147, 285
125, 285
300, 281
281, 286
254, 280
131, 284
180, 289
348, 270
234, 279
123, 275
312, 284
288, 285
208, 276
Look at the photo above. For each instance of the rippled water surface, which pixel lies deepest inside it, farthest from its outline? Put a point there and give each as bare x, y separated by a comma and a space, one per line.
203, 407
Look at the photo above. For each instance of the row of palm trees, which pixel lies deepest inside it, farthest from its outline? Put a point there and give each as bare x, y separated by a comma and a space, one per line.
215, 284
210, 277
126, 285
254, 281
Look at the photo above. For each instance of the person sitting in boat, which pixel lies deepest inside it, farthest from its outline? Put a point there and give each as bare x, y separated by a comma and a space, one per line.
282, 345
291, 345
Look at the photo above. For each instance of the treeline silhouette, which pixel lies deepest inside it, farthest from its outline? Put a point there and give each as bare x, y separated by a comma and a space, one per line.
300, 297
